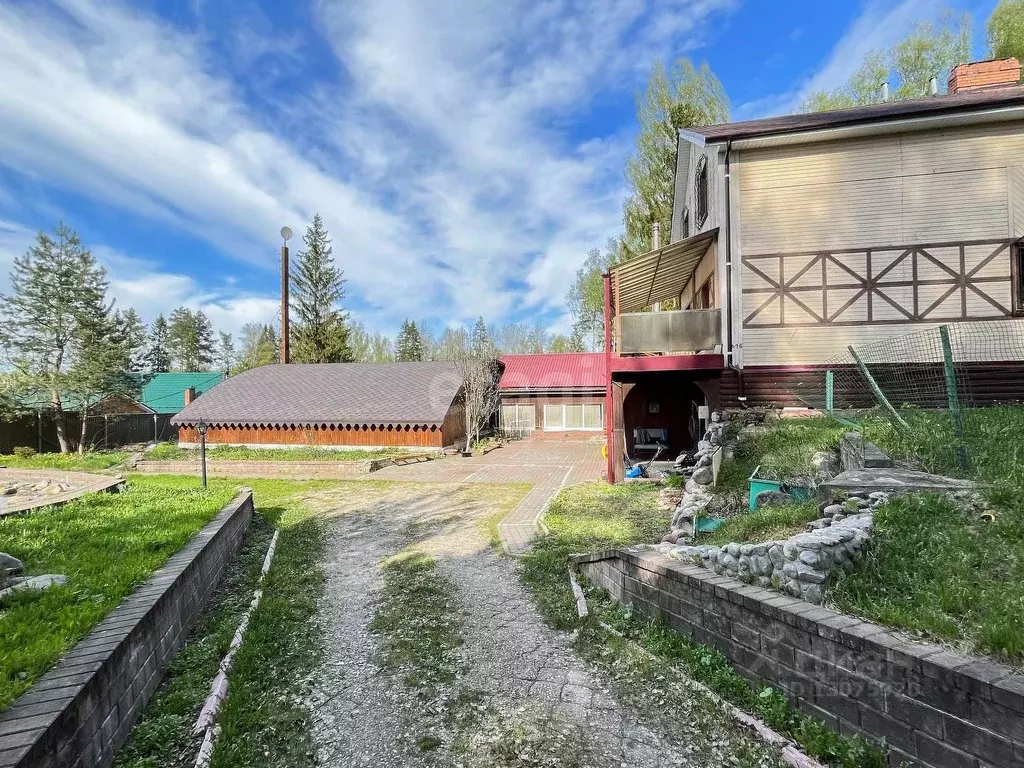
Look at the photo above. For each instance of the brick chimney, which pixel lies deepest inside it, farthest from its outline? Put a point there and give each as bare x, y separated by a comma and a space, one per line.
190, 394
997, 73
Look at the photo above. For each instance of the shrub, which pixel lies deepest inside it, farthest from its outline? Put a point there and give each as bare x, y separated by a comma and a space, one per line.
24, 451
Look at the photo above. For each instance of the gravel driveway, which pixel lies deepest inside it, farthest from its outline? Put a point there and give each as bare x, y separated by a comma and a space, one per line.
531, 679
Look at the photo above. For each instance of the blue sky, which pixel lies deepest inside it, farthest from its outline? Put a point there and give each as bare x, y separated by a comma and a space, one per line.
464, 155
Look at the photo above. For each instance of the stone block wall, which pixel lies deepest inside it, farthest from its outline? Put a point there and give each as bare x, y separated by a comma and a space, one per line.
933, 708
81, 711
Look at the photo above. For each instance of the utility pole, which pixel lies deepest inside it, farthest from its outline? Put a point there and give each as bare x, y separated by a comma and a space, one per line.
286, 234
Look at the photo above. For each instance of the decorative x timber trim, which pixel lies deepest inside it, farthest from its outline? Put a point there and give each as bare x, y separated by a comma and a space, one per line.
876, 299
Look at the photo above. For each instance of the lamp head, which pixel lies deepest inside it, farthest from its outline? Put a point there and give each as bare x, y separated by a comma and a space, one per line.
202, 427
286, 233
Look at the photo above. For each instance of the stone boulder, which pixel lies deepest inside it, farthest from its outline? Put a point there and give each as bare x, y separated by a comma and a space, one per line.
9, 566
864, 482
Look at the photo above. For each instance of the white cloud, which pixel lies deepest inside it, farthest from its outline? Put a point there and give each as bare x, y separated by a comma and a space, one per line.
878, 27
450, 141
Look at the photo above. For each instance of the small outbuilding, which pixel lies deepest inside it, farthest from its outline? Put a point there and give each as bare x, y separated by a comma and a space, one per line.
337, 405
553, 395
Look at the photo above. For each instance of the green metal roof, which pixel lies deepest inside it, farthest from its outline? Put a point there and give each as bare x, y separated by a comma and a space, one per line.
165, 392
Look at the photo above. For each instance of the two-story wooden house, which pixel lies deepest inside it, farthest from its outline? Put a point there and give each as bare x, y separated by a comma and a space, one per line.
794, 237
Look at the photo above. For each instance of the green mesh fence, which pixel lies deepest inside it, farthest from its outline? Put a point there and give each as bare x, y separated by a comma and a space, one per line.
940, 380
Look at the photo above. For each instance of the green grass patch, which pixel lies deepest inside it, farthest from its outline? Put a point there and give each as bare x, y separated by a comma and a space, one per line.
263, 720
418, 623
764, 524
783, 450
163, 738
107, 545
584, 518
88, 461
593, 517
991, 435
172, 452
936, 569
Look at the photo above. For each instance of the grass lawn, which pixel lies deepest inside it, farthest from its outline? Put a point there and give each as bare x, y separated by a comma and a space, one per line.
89, 461
584, 518
783, 450
590, 517
107, 545
170, 451
934, 568
766, 524
937, 570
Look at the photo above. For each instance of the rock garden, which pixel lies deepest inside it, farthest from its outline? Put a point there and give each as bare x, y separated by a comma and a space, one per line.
824, 494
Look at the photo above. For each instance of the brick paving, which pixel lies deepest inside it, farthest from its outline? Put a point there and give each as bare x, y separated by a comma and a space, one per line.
547, 465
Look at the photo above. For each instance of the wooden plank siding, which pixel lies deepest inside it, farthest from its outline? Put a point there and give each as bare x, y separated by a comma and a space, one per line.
856, 241
366, 435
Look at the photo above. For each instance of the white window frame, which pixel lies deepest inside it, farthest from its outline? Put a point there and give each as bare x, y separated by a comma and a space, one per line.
583, 418
525, 407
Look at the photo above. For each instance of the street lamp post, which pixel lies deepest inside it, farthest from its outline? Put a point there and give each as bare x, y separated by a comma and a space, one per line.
202, 449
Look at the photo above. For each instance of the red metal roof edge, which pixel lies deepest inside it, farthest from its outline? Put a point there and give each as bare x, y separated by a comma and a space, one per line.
554, 371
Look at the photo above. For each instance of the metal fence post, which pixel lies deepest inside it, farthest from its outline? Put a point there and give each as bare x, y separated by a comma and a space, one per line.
830, 383
953, 399
877, 390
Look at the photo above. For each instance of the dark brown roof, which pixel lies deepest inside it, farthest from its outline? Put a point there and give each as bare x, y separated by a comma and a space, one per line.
872, 113
336, 394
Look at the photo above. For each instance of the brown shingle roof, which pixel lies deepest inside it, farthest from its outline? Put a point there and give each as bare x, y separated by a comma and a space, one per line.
329, 394
967, 101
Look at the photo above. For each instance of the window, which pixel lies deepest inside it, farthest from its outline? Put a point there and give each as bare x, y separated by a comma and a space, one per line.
518, 417
686, 223
585, 416
700, 192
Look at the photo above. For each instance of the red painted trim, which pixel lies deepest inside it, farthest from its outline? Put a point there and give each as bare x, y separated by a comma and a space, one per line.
666, 363
608, 416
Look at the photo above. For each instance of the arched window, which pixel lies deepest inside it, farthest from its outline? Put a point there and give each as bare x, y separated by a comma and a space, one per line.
700, 192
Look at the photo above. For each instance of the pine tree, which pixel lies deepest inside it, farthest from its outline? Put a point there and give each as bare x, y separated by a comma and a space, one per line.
101, 360
44, 323
226, 353
158, 358
479, 340
320, 331
190, 340
131, 331
409, 345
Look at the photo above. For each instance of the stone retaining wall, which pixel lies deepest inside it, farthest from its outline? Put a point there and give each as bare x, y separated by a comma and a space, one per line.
300, 470
82, 710
933, 708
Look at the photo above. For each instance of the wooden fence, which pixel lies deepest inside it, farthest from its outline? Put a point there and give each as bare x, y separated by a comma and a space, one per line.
38, 430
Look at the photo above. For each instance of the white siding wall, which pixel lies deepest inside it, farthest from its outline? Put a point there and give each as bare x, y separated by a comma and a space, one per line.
714, 174
939, 186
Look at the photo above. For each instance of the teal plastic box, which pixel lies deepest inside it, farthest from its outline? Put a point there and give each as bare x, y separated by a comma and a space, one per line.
757, 485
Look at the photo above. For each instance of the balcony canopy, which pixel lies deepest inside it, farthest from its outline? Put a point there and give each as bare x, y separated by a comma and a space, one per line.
659, 275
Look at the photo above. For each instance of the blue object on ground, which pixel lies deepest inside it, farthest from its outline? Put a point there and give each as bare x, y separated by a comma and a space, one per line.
708, 524
758, 484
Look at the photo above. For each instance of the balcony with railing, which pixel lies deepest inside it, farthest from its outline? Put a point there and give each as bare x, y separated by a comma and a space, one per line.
638, 335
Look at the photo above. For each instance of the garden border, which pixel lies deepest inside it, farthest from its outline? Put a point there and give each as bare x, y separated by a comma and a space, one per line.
80, 712
296, 470
933, 707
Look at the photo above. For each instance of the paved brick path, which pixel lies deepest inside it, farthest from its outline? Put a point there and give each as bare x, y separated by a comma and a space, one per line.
546, 464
